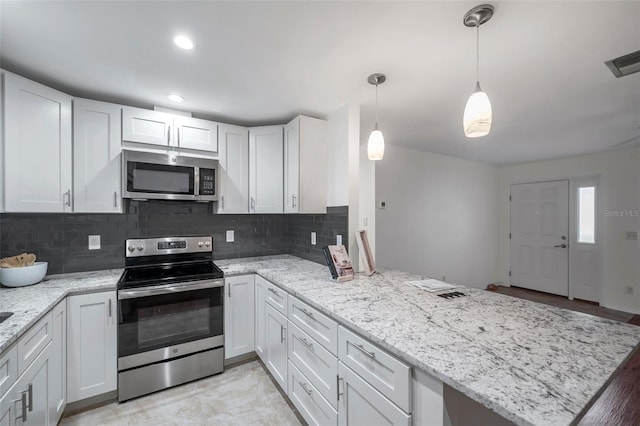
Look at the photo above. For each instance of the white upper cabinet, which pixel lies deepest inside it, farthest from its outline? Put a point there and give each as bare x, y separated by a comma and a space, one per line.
96, 158
234, 169
266, 169
146, 126
305, 166
37, 147
193, 133
168, 130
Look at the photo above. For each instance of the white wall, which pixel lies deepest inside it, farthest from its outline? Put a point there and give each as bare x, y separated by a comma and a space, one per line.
619, 173
441, 216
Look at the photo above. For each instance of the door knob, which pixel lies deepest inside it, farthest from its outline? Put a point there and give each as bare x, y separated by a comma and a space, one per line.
561, 245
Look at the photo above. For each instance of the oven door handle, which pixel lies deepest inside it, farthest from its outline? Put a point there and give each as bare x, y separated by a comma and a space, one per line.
168, 289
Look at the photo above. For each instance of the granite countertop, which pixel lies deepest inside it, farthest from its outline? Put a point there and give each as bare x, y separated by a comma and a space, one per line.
29, 304
530, 363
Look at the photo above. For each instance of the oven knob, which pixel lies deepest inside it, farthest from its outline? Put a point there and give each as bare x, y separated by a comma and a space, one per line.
131, 248
207, 244
200, 244
140, 247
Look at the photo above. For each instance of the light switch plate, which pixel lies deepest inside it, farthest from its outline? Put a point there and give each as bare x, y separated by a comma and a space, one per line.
339, 240
94, 242
230, 236
313, 238
631, 235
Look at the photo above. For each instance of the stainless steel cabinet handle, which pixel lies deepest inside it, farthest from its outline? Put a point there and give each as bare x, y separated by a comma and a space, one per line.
67, 195
115, 199
23, 411
253, 204
306, 389
109, 308
30, 392
274, 292
293, 201
338, 386
282, 330
222, 202
178, 136
306, 343
371, 354
307, 313
229, 291
561, 245
168, 135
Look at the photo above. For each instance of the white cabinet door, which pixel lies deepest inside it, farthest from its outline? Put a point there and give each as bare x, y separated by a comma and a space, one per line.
239, 332
96, 157
292, 166
261, 317
27, 402
37, 147
146, 126
91, 345
234, 169
305, 166
360, 404
266, 169
58, 362
193, 133
276, 345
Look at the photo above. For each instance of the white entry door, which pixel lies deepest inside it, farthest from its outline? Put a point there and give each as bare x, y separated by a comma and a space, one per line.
539, 236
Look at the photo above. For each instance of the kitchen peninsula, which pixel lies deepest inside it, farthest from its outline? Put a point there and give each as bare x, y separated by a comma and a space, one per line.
530, 363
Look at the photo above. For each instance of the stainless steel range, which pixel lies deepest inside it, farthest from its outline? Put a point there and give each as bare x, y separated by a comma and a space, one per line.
170, 314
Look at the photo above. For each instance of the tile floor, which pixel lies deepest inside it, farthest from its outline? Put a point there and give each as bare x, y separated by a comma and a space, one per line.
243, 395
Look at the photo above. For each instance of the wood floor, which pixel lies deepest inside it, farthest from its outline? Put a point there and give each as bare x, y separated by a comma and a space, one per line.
619, 403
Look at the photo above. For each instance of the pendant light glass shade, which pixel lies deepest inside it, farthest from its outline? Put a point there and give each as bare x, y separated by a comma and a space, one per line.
477, 114
375, 147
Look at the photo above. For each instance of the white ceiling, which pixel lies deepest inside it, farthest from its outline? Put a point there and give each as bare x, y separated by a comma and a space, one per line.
264, 62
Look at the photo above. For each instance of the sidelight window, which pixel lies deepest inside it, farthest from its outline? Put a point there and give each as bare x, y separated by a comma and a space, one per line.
587, 215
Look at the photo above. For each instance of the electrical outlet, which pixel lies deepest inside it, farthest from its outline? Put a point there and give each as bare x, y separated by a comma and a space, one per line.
382, 204
230, 236
339, 240
313, 238
94, 242
629, 290
631, 235
444, 278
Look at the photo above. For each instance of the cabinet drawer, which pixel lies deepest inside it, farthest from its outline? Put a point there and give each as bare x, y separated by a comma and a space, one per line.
383, 371
305, 396
8, 369
317, 325
34, 341
277, 298
315, 362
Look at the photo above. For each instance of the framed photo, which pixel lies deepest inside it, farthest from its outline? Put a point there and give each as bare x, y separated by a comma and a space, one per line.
365, 252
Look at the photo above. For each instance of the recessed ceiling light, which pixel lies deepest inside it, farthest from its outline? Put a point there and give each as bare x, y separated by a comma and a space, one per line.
175, 98
183, 42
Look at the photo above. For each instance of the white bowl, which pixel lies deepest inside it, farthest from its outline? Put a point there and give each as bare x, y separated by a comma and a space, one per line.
20, 277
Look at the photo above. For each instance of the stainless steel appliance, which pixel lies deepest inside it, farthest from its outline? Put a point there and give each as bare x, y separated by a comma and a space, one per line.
170, 314
147, 175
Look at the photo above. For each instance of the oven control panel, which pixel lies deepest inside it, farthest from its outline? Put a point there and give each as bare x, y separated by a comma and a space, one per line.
167, 245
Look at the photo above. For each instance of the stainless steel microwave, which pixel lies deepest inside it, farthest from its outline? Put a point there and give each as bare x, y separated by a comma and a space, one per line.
147, 176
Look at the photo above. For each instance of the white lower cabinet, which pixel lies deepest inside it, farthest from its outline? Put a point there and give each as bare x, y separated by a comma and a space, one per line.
276, 345
91, 345
308, 400
261, 317
239, 333
58, 382
360, 404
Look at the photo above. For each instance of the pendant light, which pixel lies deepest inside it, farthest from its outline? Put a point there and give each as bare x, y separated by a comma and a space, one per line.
477, 113
375, 147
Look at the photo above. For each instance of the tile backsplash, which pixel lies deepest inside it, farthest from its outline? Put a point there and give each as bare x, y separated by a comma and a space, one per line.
62, 238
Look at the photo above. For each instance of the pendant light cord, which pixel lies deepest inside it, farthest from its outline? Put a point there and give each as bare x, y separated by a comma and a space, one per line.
478, 52
376, 104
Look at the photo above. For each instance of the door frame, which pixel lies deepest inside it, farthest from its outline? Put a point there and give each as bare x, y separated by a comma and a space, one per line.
575, 182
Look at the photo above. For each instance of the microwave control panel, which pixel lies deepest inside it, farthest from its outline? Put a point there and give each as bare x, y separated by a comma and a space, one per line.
207, 181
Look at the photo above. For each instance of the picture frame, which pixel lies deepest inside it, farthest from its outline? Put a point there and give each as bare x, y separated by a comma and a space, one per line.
365, 252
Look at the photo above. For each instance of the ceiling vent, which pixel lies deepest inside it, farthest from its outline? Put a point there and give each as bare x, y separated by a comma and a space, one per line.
625, 65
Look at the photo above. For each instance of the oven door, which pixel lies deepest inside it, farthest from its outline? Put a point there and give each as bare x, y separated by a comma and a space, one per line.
159, 323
